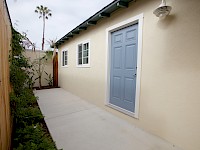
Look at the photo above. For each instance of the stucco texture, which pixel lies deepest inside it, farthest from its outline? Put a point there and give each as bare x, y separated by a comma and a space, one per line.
170, 74
48, 67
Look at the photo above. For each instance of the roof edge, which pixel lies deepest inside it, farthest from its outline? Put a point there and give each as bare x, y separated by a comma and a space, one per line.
104, 12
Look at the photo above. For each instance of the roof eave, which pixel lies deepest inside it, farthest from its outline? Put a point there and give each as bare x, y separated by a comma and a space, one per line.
93, 20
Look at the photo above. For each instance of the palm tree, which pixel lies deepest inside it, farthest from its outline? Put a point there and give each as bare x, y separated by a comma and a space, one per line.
52, 44
44, 13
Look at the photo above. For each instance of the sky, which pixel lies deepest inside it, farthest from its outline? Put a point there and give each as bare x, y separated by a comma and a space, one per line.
66, 15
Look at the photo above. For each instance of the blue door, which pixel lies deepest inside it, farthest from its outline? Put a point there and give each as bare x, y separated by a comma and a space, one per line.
123, 71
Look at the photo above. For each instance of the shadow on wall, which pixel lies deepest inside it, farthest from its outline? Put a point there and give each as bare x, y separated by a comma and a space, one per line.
181, 45
166, 22
181, 37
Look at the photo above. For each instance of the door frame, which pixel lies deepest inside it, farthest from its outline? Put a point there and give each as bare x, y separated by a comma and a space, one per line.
131, 21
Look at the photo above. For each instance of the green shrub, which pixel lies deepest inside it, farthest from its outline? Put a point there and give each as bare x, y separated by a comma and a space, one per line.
28, 130
28, 97
24, 99
28, 116
33, 138
14, 100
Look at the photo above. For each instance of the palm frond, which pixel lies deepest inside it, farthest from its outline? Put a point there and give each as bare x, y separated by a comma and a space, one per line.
43, 11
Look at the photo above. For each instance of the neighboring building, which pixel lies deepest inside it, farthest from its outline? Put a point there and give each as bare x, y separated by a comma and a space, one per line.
142, 69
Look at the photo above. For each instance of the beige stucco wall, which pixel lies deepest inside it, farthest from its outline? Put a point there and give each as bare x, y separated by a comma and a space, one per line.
48, 67
170, 76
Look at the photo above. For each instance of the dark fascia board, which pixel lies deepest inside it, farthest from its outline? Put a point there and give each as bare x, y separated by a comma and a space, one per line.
91, 22
74, 32
122, 4
69, 35
65, 38
82, 28
104, 12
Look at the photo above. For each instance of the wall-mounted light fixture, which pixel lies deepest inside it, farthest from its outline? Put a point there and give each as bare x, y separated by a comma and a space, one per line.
162, 10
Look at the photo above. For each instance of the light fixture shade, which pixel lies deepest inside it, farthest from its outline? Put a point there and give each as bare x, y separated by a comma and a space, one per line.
163, 10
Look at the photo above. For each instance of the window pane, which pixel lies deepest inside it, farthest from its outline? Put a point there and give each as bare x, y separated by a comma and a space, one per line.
85, 53
80, 48
84, 46
65, 62
87, 45
80, 52
63, 58
85, 60
80, 61
80, 55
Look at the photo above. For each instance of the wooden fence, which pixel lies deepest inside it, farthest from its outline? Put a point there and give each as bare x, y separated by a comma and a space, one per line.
5, 36
55, 70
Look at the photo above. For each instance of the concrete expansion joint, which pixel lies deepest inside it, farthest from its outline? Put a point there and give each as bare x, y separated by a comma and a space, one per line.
67, 114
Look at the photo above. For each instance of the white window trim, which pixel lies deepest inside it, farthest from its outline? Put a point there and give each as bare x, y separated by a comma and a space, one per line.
65, 66
136, 19
83, 65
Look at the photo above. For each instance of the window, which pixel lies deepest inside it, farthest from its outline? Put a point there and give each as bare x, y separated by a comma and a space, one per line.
83, 54
64, 58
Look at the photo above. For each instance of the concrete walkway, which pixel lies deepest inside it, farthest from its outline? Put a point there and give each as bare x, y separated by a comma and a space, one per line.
77, 125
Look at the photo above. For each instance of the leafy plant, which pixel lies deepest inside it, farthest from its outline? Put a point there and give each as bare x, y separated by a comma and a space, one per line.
19, 65
33, 137
27, 117
23, 100
38, 67
49, 79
